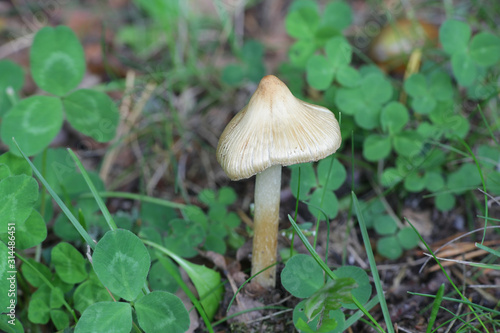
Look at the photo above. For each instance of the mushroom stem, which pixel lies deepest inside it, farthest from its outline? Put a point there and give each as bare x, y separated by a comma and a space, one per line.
265, 239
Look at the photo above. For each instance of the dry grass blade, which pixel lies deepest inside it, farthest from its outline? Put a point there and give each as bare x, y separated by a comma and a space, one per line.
129, 116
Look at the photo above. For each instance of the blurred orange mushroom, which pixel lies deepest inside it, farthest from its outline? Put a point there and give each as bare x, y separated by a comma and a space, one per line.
392, 48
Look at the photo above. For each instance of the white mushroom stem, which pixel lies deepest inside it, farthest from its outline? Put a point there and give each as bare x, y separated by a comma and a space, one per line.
266, 220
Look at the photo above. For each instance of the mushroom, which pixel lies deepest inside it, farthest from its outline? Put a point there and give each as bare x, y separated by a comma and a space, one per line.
391, 49
274, 129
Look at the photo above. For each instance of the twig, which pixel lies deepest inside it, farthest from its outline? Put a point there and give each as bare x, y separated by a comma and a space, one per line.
269, 316
157, 175
387, 207
16, 45
453, 240
128, 120
107, 162
490, 196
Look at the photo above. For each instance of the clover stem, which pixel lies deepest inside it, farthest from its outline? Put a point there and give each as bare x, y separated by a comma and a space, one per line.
266, 220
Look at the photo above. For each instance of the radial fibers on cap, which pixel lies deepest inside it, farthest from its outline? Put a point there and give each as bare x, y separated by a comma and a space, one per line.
276, 128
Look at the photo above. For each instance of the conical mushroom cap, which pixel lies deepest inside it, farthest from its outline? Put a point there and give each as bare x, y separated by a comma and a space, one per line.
276, 128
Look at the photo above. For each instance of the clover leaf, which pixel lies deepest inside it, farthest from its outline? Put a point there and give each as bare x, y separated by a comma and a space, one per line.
317, 188
464, 68
251, 66
426, 92
365, 100
57, 60
376, 147
485, 49
321, 70
454, 36
394, 117
302, 23
33, 122
337, 16
468, 55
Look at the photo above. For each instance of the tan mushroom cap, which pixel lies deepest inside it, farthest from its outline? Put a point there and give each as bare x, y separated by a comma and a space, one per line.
276, 128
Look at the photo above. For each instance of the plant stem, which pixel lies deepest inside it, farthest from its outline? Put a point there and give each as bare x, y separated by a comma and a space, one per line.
265, 239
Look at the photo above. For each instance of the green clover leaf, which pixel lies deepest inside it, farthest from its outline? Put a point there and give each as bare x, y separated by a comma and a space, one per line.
57, 60
454, 36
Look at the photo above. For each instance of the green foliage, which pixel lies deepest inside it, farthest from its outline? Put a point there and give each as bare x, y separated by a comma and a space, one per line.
489, 158
147, 38
163, 11
212, 231
20, 221
12, 78
302, 276
330, 297
221, 224
427, 92
34, 122
251, 66
184, 237
313, 32
160, 279
115, 255
363, 289
468, 56
5, 283
60, 171
162, 311
413, 129
389, 247
394, 239
69, 263
66, 278
404, 135
108, 316
57, 64
57, 60
317, 187
7, 326
99, 124
334, 323
321, 70
89, 292
364, 101
207, 283
321, 310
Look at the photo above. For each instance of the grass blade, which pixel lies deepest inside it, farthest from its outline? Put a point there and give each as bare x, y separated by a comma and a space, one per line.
185, 288
48, 283
358, 314
487, 249
328, 271
59, 202
182, 263
244, 283
100, 203
478, 166
373, 264
487, 125
466, 302
435, 308
446, 274
138, 197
